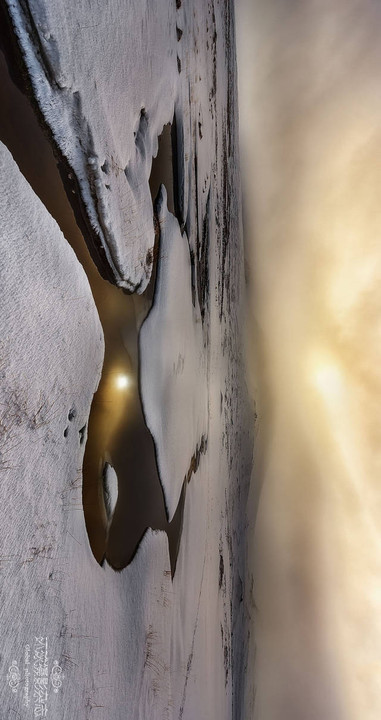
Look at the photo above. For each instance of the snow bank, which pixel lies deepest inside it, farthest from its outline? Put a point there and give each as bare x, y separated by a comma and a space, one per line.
108, 631
173, 365
105, 83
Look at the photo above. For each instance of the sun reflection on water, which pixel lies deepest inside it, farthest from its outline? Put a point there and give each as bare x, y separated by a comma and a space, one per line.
122, 381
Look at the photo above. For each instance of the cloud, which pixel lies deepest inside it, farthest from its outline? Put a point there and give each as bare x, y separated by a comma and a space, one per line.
311, 128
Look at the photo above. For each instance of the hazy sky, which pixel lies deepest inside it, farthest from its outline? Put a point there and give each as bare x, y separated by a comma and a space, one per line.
310, 105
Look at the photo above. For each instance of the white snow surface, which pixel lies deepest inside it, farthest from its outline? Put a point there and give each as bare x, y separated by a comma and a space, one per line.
99, 624
110, 490
173, 364
105, 78
133, 645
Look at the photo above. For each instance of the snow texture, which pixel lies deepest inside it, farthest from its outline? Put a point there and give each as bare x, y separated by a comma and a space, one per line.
110, 490
52, 586
104, 80
106, 77
173, 367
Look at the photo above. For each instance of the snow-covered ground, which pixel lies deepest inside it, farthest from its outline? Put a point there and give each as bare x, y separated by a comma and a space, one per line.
174, 373
131, 644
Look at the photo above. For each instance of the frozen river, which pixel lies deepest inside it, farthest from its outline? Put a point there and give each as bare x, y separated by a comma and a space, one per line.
116, 432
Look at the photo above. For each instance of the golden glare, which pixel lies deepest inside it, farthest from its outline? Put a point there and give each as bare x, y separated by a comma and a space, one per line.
122, 382
327, 378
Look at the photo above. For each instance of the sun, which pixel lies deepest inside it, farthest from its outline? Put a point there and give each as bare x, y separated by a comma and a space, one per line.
327, 379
